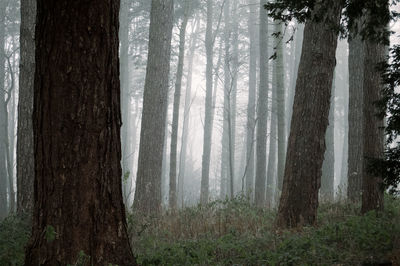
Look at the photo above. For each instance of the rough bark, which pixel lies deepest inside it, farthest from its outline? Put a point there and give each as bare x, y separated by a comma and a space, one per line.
205, 169
251, 104
306, 146
355, 117
155, 99
262, 111
373, 126
78, 204
173, 200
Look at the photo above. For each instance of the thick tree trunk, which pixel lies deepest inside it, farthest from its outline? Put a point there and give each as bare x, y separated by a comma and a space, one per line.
173, 200
262, 111
3, 118
251, 104
78, 203
306, 147
373, 126
356, 118
155, 100
205, 170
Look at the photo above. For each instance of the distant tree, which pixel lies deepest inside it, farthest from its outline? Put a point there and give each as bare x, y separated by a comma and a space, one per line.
173, 197
78, 204
155, 100
25, 155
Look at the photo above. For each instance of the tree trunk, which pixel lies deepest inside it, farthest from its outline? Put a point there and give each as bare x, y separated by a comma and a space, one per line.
306, 147
155, 99
186, 115
78, 204
280, 110
373, 126
356, 118
205, 170
3, 117
173, 201
262, 111
251, 104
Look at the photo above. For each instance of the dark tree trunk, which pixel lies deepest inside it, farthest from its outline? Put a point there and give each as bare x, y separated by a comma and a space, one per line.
356, 118
373, 126
155, 101
78, 203
173, 200
25, 162
262, 111
306, 147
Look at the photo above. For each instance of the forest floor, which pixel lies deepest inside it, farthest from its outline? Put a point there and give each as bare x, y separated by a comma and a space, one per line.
236, 233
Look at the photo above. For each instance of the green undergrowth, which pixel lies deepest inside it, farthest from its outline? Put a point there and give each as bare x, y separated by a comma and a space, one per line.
236, 233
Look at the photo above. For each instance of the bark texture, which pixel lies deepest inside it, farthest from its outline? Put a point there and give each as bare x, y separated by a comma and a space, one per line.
155, 101
306, 147
356, 118
25, 161
373, 126
78, 203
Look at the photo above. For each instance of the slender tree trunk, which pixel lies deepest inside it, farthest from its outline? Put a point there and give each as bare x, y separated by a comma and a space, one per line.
262, 111
186, 114
251, 104
356, 118
272, 155
173, 200
280, 110
205, 170
76, 119
306, 147
155, 99
3, 118
373, 126
225, 160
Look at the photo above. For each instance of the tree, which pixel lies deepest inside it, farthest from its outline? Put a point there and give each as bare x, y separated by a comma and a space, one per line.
355, 137
173, 200
251, 105
25, 155
306, 146
205, 169
262, 111
373, 125
78, 204
155, 100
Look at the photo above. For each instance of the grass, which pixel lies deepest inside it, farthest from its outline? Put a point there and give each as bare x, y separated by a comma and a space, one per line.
236, 233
